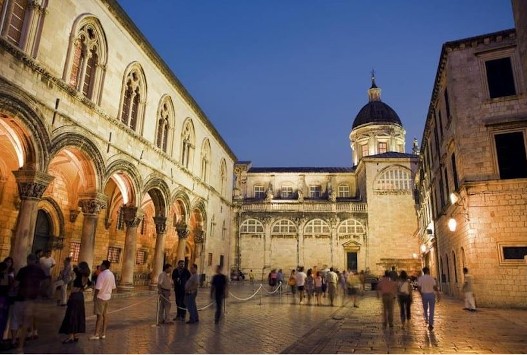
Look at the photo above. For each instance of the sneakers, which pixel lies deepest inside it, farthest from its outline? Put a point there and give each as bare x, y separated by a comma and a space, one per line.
95, 337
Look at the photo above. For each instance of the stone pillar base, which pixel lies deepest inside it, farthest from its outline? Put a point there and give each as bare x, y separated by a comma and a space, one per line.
125, 288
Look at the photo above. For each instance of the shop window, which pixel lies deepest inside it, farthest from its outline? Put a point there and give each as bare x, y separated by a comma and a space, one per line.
114, 254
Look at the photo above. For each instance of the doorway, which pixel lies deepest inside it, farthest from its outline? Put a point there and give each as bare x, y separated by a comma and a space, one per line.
352, 261
42, 237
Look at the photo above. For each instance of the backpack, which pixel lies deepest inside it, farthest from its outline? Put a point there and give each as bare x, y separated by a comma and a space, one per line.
292, 281
405, 288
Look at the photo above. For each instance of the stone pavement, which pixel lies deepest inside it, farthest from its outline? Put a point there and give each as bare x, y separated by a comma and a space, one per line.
271, 324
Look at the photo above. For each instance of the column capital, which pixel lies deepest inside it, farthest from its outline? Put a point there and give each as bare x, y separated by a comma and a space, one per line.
132, 216
161, 224
199, 236
181, 229
32, 183
92, 203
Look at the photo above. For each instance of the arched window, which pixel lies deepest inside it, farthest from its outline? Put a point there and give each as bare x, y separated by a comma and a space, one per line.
187, 144
251, 226
284, 226
133, 98
205, 160
165, 124
395, 178
86, 59
22, 22
316, 227
223, 176
351, 227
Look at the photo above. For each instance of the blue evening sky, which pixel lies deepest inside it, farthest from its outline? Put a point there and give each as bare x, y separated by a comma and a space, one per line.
282, 80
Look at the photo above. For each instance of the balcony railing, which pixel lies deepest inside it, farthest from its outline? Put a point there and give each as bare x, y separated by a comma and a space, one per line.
305, 207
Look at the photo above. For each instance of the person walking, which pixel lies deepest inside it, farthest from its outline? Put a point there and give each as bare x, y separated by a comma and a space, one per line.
332, 280
165, 284
318, 288
64, 278
101, 299
387, 289
180, 276
404, 296
191, 291
428, 288
292, 283
300, 278
353, 283
74, 321
470, 303
218, 291
28, 281
310, 286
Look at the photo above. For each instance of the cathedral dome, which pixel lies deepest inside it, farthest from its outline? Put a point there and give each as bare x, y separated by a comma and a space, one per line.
376, 112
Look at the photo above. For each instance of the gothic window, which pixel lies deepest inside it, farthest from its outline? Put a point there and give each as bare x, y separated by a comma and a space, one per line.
22, 22
316, 227
86, 59
223, 176
396, 178
286, 191
223, 230
283, 227
344, 191
75, 250
259, 191
382, 147
133, 98
351, 227
205, 160
251, 226
165, 124
187, 144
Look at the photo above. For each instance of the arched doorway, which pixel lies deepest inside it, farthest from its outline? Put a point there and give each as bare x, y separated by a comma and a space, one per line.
43, 230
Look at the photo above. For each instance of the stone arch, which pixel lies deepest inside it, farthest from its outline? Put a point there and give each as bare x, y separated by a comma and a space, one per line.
19, 115
284, 226
80, 142
252, 226
165, 125
317, 227
180, 197
188, 143
131, 174
53, 209
199, 205
159, 193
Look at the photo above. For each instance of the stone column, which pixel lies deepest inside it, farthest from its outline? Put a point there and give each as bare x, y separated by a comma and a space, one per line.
333, 222
182, 233
31, 186
161, 224
199, 243
90, 206
132, 218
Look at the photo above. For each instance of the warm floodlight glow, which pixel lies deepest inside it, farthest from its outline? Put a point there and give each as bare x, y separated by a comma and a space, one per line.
121, 184
452, 224
414, 255
13, 138
454, 197
423, 248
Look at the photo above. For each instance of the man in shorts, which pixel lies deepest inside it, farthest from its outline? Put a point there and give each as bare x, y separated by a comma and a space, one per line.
101, 298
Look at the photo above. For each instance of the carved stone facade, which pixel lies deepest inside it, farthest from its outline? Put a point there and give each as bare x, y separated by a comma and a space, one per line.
95, 127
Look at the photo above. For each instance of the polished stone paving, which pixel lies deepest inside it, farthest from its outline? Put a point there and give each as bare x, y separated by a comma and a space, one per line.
271, 323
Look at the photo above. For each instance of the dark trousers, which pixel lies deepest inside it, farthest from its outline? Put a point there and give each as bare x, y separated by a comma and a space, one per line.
219, 305
180, 302
190, 300
405, 302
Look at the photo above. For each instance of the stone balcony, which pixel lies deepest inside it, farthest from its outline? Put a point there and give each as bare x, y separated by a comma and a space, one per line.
306, 206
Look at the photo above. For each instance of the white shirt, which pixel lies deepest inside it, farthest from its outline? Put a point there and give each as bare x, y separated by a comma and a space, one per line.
46, 264
427, 283
105, 284
300, 278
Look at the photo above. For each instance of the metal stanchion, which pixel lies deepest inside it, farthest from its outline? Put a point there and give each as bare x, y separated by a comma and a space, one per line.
260, 298
157, 309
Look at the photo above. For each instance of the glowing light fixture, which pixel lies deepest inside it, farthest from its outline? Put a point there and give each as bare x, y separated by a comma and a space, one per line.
454, 197
452, 224
423, 248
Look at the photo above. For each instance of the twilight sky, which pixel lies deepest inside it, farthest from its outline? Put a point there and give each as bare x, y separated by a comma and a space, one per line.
282, 80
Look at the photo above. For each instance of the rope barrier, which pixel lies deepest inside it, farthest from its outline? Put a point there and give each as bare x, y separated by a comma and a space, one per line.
276, 290
248, 298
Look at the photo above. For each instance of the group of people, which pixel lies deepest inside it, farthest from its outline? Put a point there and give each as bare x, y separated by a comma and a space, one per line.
185, 284
19, 292
312, 285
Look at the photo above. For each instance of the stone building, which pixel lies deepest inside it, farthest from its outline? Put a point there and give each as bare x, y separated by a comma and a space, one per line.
472, 177
359, 218
105, 155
